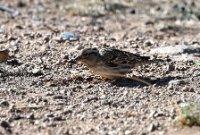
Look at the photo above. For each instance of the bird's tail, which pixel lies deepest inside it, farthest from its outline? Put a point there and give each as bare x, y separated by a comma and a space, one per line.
153, 61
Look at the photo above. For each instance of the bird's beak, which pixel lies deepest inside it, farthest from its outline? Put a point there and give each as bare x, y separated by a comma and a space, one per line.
75, 60
78, 58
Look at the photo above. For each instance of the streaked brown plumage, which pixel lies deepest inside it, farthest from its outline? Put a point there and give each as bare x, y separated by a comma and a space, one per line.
111, 63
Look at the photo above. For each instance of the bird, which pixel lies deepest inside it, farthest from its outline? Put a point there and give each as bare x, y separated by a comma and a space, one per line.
4, 54
111, 63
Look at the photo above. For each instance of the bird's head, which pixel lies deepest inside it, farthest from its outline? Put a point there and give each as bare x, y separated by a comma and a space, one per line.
88, 56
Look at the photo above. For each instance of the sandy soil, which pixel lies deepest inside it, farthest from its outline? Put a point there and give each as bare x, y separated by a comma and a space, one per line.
41, 93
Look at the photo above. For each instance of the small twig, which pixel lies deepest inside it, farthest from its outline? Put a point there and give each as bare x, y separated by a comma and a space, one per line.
51, 29
9, 10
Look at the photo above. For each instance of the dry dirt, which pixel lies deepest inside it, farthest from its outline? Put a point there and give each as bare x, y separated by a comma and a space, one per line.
41, 93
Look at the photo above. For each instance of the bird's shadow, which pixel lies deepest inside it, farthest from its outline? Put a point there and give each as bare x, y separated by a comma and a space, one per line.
125, 82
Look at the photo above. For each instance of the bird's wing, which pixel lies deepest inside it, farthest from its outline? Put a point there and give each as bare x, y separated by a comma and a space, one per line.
118, 57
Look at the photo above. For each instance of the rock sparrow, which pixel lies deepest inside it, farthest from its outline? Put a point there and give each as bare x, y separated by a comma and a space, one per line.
111, 63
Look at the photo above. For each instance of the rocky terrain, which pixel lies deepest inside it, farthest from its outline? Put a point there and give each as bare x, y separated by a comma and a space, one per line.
41, 93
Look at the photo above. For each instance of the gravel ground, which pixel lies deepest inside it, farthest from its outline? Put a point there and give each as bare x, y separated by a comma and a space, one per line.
41, 93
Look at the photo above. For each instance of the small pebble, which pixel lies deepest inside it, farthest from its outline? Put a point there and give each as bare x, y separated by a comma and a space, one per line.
152, 128
31, 116
59, 97
37, 72
5, 124
149, 42
151, 115
188, 89
128, 132
49, 115
68, 35
176, 82
21, 4
132, 11
65, 56
4, 103
36, 18
149, 22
